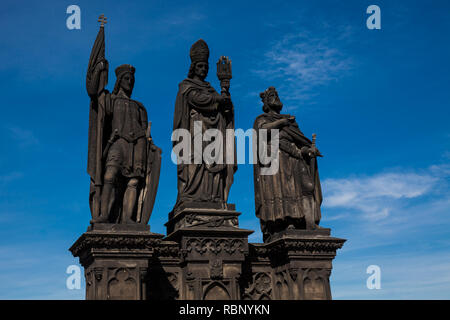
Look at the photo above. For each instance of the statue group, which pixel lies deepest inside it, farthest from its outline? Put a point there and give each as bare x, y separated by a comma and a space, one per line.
122, 158
124, 167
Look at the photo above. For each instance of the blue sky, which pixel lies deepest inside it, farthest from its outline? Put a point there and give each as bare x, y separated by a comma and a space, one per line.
377, 99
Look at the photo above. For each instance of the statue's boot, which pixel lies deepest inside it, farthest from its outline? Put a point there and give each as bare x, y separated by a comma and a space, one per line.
310, 224
99, 220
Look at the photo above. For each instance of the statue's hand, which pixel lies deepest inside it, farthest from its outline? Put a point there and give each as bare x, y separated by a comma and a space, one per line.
317, 152
225, 85
310, 152
219, 98
102, 65
224, 101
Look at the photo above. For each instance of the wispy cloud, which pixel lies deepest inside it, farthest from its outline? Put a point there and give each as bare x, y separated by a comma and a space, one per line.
23, 137
304, 61
397, 220
374, 196
7, 178
25, 275
183, 18
403, 276
392, 204
5, 182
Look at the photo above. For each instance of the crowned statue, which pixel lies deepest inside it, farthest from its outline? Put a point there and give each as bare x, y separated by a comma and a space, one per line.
291, 197
199, 104
123, 161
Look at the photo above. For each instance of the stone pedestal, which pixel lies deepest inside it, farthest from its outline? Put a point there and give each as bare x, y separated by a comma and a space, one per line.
205, 256
293, 265
116, 258
212, 251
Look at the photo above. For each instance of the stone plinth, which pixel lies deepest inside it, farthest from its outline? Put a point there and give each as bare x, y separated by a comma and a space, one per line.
116, 258
202, 215
211, 259
294, 265
212, 251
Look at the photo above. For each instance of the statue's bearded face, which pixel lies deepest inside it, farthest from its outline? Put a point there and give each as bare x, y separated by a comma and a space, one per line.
274, 101
201, 69
127, 82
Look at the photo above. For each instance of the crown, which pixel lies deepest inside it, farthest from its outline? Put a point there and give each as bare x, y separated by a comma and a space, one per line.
121, 70
266, 93
199, 51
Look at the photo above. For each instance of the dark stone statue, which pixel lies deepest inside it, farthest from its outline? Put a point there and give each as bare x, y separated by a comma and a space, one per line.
290, 198
123, 161
198, 102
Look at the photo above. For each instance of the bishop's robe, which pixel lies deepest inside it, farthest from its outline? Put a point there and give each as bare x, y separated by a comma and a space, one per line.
198, 101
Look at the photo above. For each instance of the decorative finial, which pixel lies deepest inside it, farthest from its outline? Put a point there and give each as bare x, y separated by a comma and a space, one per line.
102, 19
224, 68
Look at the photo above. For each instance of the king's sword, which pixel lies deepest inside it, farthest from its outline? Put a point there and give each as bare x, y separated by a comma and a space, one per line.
313, 159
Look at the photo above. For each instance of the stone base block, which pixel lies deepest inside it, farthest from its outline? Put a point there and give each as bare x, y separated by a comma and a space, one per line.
116, 260
212, 251
296, 265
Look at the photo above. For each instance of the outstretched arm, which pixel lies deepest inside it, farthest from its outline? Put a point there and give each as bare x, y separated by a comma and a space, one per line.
277, 124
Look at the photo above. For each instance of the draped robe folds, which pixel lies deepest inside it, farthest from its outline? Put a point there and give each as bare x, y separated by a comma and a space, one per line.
294, 191
196, 101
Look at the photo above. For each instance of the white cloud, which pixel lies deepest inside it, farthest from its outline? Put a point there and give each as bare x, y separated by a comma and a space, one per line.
23, 137
10, 177
5, 181
374, 197
183, 18
398, 220
403, 276
304, 61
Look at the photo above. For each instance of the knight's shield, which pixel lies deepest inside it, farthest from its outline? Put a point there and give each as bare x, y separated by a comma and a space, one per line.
148, 194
